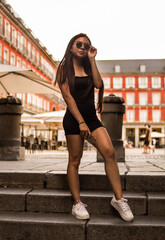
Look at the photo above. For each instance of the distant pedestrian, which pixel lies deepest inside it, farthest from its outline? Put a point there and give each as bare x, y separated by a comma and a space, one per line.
77, 76
125, 143
147, 139
31, 141
153, 145
39, 142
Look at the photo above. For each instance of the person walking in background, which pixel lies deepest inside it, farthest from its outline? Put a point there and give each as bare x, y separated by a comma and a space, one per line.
77, 76
147, 139
153, 145
31, 140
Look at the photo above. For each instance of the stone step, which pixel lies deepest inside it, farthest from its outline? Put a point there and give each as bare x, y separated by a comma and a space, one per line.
113, 228
60, 201
48, 226
54, 180
40, 226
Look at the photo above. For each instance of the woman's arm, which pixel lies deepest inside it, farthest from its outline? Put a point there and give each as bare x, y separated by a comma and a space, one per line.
95, 73
72, 106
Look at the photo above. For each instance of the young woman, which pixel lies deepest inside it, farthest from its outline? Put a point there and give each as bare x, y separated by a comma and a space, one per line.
77, 76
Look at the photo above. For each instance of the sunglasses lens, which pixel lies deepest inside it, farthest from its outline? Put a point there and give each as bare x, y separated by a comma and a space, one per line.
86, 46
78, 44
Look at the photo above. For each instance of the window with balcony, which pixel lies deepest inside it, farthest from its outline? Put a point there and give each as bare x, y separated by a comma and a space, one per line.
19, 44
38, 58
117, 68
46, 67
34, 100
143, 99
117, 82
14, 36
29, 50
23, 64
143, 115
33, 54
130, 82
42, 63
156, 117
130, 98
29, 98
6, 56
18, 62
7, 29
24, 45
156, 82
106, 81
156, 98
45, 105
143, 82
12, 59
40, 102
142, 68
51, 72
19, 95
1, 25
48, 106
23, 97
130, 115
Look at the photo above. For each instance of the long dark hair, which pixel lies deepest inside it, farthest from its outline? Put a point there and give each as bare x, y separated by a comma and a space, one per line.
65, 70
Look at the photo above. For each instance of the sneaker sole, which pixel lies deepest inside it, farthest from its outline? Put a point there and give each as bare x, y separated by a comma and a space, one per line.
81, 217
123, 217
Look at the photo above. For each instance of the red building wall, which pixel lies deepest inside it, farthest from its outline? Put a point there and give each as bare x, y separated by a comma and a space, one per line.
149, 90
28, 64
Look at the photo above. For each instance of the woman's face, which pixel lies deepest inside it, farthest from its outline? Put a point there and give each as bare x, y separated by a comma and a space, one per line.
80, 47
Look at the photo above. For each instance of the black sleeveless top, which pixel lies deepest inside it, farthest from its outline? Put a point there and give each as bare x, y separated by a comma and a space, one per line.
84, 98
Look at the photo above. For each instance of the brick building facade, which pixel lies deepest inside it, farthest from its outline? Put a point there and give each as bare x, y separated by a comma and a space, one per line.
142, 85
19, 47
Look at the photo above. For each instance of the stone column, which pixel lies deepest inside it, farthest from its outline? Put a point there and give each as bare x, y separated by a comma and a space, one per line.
10, 123
112, 119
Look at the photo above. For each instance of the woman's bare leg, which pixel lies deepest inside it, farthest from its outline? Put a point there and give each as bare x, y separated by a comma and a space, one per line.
104, 145
75, 148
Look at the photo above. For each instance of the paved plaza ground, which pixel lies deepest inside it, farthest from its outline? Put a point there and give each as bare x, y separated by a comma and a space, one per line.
56, 161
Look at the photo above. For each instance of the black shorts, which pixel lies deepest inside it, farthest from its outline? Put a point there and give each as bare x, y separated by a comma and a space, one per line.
146, 142
71, 126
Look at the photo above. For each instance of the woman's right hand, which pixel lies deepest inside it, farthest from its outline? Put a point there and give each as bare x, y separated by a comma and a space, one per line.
84, 131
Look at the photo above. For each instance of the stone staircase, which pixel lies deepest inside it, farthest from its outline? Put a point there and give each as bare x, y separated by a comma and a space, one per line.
37, 206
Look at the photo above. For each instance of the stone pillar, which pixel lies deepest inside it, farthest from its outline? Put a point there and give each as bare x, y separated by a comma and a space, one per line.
10, 123
112, 119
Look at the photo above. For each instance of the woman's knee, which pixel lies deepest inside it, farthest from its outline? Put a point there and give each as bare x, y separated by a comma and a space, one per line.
109, 153
74, 160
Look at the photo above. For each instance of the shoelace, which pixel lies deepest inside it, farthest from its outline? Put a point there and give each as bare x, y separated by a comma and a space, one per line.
124, 204
81, 206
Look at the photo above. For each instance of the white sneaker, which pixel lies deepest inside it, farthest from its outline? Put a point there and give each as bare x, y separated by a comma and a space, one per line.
123, 208
79, 211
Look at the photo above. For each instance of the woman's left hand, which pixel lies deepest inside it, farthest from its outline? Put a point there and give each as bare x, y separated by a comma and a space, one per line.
92, 52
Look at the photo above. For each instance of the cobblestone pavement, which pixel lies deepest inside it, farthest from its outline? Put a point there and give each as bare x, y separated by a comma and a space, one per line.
56, 161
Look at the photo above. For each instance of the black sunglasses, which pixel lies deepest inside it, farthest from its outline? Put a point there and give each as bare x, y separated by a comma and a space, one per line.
86, 45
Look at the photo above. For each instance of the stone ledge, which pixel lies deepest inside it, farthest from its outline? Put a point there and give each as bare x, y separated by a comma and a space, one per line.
24, 179
110, 227
58, 180
156, 203
13, 199
49, 200
37, 226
